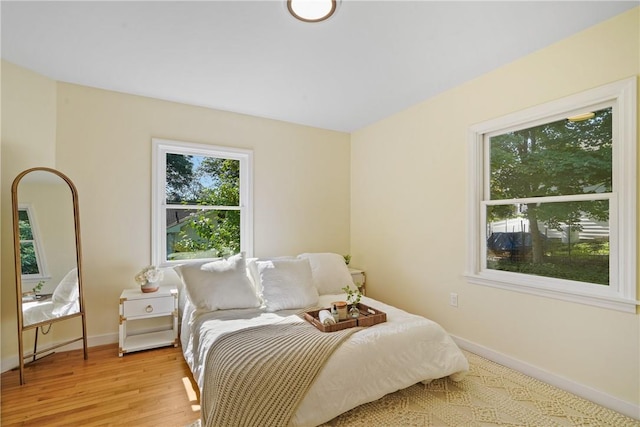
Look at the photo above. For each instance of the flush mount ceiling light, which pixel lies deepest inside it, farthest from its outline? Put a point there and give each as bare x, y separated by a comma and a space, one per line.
312, 10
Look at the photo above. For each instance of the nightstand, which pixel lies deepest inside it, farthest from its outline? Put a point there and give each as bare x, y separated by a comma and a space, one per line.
136, 305
359, 279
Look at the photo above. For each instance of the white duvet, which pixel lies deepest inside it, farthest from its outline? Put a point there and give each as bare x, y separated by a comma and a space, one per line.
41, 311
371, 363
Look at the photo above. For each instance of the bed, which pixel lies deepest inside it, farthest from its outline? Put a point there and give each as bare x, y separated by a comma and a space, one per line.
368, 364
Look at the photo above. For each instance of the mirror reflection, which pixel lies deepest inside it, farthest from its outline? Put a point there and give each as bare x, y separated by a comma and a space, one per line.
48, 258
48, 261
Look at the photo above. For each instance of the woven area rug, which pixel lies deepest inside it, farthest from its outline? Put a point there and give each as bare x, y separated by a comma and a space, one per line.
490, 395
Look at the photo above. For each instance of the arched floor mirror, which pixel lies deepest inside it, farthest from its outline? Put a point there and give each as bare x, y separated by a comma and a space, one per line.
48, 260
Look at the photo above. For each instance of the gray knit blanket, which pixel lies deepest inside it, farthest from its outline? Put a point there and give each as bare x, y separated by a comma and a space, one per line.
258, 376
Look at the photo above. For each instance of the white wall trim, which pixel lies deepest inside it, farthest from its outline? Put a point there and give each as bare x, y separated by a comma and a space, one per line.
11, 362
620, 294
160, 148
626, 408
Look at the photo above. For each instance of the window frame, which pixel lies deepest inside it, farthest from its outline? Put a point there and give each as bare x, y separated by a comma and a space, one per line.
160, 148
41, 261
621, 292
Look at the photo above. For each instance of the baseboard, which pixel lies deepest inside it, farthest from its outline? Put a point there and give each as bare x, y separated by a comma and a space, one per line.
596, 396
12, 362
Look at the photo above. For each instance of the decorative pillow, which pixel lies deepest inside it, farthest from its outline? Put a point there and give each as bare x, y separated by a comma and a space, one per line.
254, 274
286, 284
67, 290
329, 272
219, 285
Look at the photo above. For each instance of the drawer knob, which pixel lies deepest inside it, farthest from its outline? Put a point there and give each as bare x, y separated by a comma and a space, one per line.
149, 309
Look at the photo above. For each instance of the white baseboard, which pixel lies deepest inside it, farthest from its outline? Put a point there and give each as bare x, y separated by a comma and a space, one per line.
627, 408
12, 362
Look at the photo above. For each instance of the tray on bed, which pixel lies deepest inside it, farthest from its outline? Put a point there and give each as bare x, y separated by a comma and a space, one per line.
313, 318
368, 317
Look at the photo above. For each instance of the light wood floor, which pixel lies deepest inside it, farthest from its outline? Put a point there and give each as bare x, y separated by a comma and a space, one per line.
147, 388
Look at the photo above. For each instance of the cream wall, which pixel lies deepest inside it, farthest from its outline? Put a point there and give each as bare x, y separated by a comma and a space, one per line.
28, 140
301, 183
102, 141
409, 205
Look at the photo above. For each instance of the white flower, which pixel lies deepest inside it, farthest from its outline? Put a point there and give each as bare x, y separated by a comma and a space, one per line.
150, 274
153, 275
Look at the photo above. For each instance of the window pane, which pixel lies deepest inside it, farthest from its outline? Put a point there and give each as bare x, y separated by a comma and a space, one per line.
565, 240
195, 233
24, 225
28, 258
201, 180
558, 158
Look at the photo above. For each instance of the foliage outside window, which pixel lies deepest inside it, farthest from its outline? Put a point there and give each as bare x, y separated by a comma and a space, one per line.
564, 239
201, 201
553, 199
31, 258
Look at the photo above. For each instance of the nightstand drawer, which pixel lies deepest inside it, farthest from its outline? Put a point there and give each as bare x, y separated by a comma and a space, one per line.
149, 307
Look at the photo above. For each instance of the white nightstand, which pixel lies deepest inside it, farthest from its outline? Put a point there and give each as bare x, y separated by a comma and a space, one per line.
359, 279
136, 305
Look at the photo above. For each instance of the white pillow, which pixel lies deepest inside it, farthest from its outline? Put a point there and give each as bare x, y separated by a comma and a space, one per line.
329, 272
286, 284
67, 290
219, 285
254, 274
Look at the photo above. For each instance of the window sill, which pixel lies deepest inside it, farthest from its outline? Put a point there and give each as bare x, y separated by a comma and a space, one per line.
35, 279
598, 300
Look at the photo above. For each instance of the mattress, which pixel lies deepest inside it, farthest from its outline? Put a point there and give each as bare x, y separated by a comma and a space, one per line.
371, 363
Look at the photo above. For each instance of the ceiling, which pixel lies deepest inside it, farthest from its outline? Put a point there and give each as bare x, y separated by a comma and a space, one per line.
372, 59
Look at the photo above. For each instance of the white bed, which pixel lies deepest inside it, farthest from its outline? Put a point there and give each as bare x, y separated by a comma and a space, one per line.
371, 363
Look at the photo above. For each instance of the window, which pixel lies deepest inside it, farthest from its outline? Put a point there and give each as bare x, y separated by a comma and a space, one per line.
553, 198
201, 202
31, 254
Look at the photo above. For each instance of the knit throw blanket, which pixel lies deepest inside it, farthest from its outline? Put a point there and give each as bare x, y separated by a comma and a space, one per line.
258, 376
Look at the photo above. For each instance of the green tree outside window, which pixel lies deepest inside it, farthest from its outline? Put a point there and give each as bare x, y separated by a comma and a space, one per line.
561, 158
203, 206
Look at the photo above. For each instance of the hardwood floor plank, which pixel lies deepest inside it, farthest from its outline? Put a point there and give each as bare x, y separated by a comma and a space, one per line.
148, 388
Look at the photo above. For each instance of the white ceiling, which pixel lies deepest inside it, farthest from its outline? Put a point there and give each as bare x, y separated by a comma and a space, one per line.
372, 59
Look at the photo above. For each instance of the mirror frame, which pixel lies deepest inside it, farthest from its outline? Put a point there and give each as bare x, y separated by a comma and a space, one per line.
18, 272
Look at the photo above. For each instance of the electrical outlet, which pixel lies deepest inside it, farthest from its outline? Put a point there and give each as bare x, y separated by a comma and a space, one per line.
453, 299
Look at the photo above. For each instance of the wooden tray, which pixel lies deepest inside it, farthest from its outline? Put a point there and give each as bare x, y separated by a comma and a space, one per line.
313, 318
370, 316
